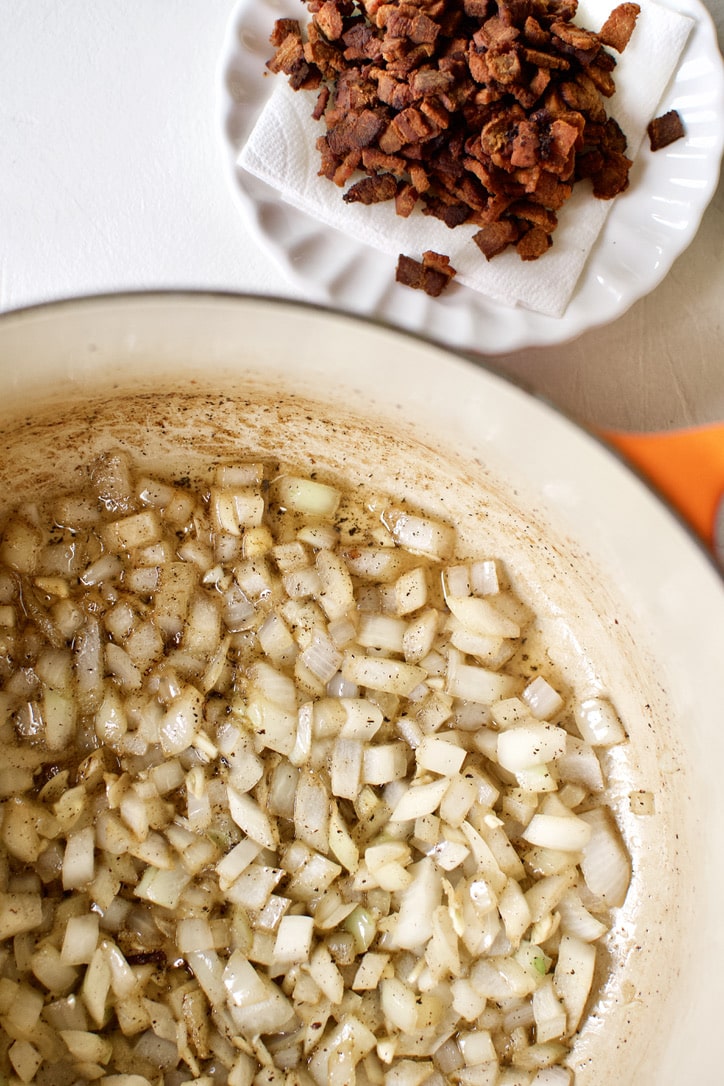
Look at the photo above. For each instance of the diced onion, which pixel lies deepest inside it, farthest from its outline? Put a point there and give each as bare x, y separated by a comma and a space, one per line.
569, 834
598, 723
542, 700
419, 535
307, 496
280, 800
573, 977
605, 863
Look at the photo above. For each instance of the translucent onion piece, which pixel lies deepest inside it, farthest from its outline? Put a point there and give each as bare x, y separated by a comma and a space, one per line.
568, 834
598, 722
419, 535
542, 700
573, 977
605, 864
307, 496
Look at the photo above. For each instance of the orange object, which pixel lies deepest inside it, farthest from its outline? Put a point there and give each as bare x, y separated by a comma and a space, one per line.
687, 468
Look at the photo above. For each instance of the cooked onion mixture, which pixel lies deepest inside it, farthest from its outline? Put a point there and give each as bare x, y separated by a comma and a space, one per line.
283, 797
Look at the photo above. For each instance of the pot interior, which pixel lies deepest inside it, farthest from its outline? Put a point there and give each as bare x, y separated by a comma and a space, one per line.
186, 382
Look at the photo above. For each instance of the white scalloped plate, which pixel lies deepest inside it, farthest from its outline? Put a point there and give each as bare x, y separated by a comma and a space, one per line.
647, 228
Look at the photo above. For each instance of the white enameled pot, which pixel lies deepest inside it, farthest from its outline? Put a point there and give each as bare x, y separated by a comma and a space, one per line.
628, 603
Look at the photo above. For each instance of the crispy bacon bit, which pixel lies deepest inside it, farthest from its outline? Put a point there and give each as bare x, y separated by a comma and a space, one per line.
665, 130
282, 29
405, 200
431, 276
355, 131
618, 28
612, 178
496, 236
534, 243
484, 112
451, 213
322, 102
329, 20
372, 190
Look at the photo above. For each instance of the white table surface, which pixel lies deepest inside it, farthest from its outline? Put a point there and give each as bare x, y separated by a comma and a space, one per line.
112, 177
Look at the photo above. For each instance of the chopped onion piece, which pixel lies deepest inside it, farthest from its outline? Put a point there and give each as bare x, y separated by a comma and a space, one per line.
573, 978
419, 535
482, 617
135, 530
598, 723
322, 657
273, 724
26, 1059
384, 763
605, 863
544, 895
514, 911
420, 799
95, 987
363, 718
419, 636
361, 925
577, 920
181, 721
311, 811
542, 700
194, 934
301, 750
80, 939
79, 859
579, 764
336, 594
384, 632
341, 843
346, 768
392, 676
409, 592
242, 982
325, 973
123, 979
530, 745
307, 496
566, 833
250, 818
484, 578
87, 1047
208, 970
477, 684
163, 887
550, 1015
439, 756
399, 1005
294, 940
369, 971
417, 905
237, 860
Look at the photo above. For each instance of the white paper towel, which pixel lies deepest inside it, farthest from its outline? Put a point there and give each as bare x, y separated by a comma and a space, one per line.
281, 151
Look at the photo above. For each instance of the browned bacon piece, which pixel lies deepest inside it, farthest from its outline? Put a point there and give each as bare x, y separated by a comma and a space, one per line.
372, 190
618, 28
431, 275
665, 129
496, 236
